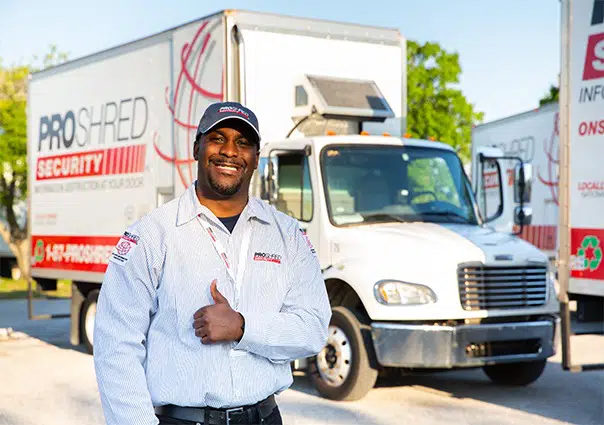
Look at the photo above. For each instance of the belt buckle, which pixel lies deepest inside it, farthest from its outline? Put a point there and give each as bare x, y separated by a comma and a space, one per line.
229, 411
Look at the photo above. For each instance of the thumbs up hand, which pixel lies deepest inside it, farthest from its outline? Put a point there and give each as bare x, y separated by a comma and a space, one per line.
217, 322
216, 295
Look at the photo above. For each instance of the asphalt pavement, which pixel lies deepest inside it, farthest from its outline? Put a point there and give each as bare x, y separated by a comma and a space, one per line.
44, 380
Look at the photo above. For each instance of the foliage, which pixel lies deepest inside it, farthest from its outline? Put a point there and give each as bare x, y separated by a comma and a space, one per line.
436, 109
552, 96
13, 151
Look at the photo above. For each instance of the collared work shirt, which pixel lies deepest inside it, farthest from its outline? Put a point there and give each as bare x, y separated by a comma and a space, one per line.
145, 350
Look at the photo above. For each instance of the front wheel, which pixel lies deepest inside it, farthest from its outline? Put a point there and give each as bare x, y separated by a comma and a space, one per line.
515, 374
87, 320
346, 368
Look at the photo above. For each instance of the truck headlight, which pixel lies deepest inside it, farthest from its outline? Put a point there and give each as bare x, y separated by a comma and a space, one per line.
393, 292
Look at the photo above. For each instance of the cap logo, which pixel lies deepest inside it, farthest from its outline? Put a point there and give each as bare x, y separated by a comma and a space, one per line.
234, 110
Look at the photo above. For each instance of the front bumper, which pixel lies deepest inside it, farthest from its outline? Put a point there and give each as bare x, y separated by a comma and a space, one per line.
431, 346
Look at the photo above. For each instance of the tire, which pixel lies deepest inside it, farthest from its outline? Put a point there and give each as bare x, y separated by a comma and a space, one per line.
87, 320
515, 374
346, 368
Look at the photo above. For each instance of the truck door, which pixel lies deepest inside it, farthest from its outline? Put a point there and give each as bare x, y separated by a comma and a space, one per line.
289, 188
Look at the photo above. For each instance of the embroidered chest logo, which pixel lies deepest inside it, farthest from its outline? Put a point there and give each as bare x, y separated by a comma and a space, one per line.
271, 258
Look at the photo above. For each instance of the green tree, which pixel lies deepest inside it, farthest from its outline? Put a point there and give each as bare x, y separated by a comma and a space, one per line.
552, 96
435, 108
13, 154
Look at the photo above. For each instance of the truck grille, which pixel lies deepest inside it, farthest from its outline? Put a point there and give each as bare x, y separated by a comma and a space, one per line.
485, 287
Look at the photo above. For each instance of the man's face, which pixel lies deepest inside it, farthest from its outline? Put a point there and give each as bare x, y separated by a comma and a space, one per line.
226, 160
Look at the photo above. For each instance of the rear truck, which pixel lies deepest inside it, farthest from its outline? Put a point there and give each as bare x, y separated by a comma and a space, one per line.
533, 137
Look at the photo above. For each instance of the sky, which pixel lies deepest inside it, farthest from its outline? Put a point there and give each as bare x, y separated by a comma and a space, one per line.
509, 49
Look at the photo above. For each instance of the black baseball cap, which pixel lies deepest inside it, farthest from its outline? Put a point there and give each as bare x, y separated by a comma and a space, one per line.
222, 111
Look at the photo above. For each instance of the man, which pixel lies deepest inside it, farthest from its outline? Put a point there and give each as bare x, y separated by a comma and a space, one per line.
208, 298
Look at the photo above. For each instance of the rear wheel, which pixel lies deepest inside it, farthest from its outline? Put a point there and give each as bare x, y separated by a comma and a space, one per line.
88, 318
515, 374
345, 369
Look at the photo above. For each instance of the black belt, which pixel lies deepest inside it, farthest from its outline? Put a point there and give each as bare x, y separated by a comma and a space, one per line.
209, 416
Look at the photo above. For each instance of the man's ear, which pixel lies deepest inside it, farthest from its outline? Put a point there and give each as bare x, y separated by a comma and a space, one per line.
196, 150
257, 158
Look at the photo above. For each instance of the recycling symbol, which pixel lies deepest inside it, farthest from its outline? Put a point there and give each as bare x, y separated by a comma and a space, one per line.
39, 251
591, 252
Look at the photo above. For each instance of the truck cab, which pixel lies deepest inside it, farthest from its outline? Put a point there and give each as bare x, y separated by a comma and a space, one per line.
415, 276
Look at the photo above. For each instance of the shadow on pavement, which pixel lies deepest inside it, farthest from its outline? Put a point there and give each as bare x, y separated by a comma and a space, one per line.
558, 394
309, 411
13, 314
316, 409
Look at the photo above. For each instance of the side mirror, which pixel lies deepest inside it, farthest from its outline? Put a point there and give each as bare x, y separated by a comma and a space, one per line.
523, 216
490, 188
523, 183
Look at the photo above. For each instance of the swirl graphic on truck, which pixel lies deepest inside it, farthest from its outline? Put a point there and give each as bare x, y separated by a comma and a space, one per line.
200, 61
551, 152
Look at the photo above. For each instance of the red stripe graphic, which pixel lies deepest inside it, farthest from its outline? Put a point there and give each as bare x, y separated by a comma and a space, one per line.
116, 161
128, 159
111, 160
132, 159
141, 159
135, 158
122, 164
105, 162
122, 160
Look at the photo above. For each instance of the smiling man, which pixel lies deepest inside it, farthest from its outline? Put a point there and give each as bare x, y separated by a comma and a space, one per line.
208, 298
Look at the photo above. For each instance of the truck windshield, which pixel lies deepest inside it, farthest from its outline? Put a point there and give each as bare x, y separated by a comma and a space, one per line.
369, 184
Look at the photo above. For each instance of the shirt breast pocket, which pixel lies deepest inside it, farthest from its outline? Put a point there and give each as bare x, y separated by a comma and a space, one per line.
190, 297
268, 280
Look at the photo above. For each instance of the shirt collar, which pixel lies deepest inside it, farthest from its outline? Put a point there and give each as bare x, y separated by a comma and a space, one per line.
189, 207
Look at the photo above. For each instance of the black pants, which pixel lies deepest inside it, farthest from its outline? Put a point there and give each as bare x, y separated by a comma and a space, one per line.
273, 419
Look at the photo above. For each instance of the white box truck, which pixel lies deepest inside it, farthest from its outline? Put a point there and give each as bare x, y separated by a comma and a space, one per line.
534, 137
415, 276
581, 268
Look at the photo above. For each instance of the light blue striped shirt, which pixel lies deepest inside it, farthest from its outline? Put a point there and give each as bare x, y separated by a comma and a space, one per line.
146, 353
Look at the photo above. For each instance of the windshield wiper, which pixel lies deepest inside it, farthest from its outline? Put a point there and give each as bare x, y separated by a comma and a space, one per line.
447, 214
381, 216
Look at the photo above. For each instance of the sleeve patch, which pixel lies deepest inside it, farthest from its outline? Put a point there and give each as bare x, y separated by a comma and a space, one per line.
308, 242
124, 248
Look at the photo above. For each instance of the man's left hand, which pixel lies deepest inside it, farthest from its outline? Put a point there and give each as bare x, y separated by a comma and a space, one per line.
217, 322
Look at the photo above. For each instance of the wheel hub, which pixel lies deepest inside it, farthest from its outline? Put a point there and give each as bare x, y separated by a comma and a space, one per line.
335, 360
